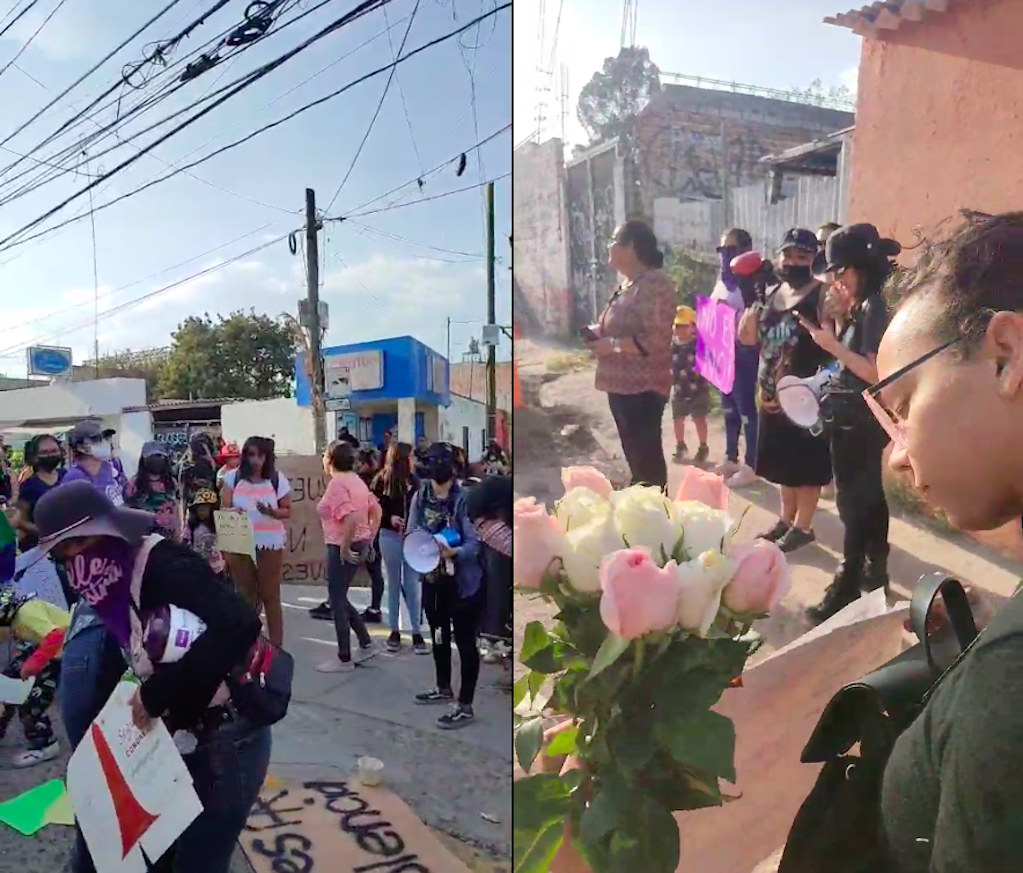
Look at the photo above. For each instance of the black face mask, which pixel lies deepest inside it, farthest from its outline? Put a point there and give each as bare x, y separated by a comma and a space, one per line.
442, 472
48, 463
797, 277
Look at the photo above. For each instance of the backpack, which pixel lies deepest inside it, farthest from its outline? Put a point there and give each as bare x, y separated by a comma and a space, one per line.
838, 828
259, 688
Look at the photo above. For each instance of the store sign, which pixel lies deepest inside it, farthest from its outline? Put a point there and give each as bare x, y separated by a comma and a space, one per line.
365, 370
49, 361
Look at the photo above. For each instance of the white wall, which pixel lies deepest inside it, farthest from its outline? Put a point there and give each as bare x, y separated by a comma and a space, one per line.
133, 429
283, 420
460, 414
71, 401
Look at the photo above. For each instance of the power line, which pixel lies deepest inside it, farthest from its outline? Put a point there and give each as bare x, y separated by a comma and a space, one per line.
19, 16
401, 91
474, 256
417, 202
380, 105
131, 304
29, 41
249, 80
234, 144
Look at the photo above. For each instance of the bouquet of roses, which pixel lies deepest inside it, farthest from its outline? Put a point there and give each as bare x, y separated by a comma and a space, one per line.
655, 609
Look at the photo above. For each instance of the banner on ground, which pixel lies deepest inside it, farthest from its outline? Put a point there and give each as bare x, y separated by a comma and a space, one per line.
715, 343
131, 791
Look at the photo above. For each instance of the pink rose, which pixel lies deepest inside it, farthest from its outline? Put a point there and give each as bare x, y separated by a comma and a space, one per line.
703, 487
761, 580
586, 477
537, 539
639, 597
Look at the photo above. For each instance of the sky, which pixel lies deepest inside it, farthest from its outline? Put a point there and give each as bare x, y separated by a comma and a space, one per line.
400, 264
752, 42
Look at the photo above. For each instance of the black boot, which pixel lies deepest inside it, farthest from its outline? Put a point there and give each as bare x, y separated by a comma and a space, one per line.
845, 589
875, 574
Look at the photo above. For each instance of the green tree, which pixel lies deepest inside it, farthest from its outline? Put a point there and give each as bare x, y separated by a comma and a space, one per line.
242, 355
148, 364
837, 96
614, 95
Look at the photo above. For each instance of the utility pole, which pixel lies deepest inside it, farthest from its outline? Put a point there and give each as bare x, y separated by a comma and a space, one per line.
312, 270
449, 340
491, 319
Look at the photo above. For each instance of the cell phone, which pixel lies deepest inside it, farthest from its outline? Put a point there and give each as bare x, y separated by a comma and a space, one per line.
588, 334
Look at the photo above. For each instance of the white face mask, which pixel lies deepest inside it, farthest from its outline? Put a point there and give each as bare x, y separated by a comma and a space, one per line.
100, 451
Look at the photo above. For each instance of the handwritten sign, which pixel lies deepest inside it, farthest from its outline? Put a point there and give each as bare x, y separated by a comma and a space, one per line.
234, 533
40, 579
131, 791
305, 554
715, 343
341, 827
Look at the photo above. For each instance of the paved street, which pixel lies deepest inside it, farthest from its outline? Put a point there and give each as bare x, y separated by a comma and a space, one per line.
451, 779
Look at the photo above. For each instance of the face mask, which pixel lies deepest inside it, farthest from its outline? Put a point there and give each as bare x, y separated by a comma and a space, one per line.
727, 254
48, 463
443, 472
797, 277
100, 451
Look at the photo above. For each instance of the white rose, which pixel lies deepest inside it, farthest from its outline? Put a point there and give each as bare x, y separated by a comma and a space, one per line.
580, 506
646, 519
585, 548
702, 582
705, 529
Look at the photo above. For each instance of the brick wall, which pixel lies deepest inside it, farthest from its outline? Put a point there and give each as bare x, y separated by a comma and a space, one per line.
540, 237
691, 142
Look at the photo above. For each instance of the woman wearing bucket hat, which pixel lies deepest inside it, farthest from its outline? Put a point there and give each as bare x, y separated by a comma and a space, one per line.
858, 263
788, 455
154, 490
100, 543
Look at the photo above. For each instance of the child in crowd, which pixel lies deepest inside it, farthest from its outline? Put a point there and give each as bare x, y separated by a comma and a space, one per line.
690, 392
38, 629
201, 530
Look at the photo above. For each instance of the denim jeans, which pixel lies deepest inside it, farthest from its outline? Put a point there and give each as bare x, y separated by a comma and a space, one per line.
228, 771
402, 580
91, 667
340, 574
741, 406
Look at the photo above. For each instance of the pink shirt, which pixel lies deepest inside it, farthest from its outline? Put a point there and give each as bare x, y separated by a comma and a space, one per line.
346, 494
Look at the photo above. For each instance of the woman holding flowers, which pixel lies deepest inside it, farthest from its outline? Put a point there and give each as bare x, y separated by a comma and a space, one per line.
655, 606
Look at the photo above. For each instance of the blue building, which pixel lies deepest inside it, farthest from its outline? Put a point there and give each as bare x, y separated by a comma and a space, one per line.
396, 384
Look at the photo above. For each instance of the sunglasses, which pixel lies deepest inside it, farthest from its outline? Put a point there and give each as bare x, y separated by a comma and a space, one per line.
888, 420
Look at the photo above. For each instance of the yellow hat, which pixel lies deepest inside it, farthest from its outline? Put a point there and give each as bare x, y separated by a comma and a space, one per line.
685, 315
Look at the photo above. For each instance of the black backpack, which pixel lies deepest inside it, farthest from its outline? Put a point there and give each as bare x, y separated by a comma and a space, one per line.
838, 828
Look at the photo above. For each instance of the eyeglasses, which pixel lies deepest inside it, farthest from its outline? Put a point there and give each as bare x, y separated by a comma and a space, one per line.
888, 420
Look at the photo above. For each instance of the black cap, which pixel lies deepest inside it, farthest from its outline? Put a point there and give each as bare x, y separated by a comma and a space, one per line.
86, 432
802, 239
856, 245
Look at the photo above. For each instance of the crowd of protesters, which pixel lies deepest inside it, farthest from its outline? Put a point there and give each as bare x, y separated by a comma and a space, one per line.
815, 307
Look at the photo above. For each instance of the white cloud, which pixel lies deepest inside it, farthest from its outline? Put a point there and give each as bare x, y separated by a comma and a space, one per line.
850, 79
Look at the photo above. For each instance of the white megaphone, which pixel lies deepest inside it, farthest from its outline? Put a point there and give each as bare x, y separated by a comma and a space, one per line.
800, 399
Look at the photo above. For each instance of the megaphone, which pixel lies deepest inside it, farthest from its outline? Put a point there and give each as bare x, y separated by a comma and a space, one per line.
800, 399
422, 549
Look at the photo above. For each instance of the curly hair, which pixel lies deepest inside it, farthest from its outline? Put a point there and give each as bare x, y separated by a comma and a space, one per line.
973, 270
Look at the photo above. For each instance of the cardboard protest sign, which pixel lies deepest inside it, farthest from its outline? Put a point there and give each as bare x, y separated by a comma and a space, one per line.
305, 554
715, 343
40, 579
131, 791
234, 533
343, 827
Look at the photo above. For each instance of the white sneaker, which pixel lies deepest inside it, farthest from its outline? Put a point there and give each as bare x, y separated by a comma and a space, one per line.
36, 756
335, 665
727, 470
742, 478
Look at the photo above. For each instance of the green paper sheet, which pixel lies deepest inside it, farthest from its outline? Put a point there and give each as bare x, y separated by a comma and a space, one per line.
29, 812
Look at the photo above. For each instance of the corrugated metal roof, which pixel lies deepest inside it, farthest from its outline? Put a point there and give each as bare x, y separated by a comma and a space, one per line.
878, 18
184, 404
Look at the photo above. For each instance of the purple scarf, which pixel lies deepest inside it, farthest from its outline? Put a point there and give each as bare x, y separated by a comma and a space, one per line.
102, 576
727, 276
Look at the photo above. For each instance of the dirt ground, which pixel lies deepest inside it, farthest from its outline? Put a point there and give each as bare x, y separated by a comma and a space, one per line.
569, 423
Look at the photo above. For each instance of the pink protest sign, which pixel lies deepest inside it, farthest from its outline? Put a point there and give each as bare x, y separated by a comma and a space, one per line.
715, 343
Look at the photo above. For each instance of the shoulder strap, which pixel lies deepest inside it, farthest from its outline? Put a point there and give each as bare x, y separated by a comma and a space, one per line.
139, 661
139, 570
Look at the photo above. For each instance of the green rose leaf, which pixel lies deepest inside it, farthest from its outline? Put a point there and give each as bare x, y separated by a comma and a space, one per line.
651, 845
537, 855
535, 682
610, 651
534, 640
564, 743
539, 800
704, 741
541, 652
519, 691
528, 740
